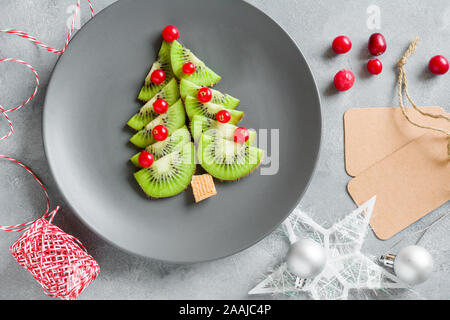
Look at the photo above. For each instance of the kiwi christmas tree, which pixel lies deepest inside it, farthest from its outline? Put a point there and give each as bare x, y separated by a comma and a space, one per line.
178, 85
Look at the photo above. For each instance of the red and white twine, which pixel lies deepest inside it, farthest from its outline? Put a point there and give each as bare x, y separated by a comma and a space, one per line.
29, 37
26, 225
2, 109
57, 260
46, 47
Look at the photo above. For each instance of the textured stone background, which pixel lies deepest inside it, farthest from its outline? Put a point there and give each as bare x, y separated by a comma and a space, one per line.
313, 25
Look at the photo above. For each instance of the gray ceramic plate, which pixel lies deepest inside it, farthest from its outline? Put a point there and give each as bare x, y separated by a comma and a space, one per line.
93, 92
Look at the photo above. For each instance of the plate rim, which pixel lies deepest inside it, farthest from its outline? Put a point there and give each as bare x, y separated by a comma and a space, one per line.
45, 129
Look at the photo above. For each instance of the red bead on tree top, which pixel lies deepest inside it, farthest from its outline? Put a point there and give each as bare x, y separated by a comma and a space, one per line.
170, 33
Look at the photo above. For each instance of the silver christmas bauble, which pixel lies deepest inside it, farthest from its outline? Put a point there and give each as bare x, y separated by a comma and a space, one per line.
413, 264
306, 258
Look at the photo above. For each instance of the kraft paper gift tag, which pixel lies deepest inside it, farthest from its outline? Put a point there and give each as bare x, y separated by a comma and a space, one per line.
371, 134
409, 183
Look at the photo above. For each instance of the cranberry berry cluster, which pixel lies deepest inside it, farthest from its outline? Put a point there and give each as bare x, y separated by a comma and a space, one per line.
344, 79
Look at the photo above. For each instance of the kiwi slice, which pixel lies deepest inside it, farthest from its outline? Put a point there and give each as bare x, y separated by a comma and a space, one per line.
188, 88
170, 93
173, 119
209, 110
202, 125
227, 160
150, 89
203, 76
162, 148
169, 175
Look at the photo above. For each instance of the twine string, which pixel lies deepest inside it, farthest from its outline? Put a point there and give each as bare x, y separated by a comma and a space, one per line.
57, 260
4, 111
47, 213
33, 39
423, 231
11, 127
403, 86
41, 44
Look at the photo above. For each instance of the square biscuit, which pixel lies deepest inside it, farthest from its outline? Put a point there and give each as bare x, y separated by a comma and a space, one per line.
203, 187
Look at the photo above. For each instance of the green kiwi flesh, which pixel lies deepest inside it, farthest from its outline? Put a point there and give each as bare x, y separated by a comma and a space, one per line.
227, 160
203, 76
203, 125
163, 62
169, 175
209, 110
188, 88
162, 148
170, 93
173, 119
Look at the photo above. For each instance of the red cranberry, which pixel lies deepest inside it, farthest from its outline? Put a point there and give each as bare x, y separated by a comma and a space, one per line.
160, 106
377, 44
160, 133
241, 135
204, 95
341, 44
170, 33
223, 116
374, 66
188, 68
158, 76
145, 159
438, 65
344, 80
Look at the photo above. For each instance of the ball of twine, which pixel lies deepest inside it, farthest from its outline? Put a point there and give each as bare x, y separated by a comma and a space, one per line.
57, 260
4, 111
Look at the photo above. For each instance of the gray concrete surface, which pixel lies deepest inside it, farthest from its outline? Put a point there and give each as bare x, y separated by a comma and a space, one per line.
313, 25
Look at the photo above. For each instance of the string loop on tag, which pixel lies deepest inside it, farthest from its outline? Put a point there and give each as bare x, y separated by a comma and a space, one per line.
403, 86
